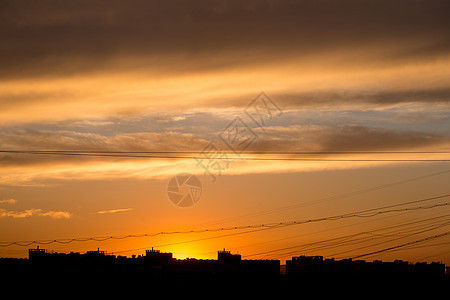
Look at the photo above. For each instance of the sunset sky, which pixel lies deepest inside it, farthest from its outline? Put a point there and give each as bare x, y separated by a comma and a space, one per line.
361, 89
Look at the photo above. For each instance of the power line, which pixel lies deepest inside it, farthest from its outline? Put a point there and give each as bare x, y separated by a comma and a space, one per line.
350, 215
171, 155
347, 239
363, 213
335, 197
227, 151
430, 228
401, 234
209, 238
292, 223
435, 253
321, 231
429, 238
276, 226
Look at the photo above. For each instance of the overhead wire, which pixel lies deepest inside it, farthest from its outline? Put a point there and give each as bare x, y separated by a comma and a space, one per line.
399, 246
343, 240
366, 213
326, 199
197, 155
266, 226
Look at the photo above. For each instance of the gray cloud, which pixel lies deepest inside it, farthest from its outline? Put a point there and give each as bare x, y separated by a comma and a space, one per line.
360, 138
64, 38
376, 97
73, 141
35, 212
297, 130
346, 138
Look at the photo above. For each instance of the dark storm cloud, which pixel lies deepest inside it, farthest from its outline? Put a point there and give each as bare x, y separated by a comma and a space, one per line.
377, 97
346, 138
67, 37
32, 139
289, 138
361, 138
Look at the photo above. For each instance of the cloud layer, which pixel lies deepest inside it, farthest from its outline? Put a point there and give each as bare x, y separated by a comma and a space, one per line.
34, 212
169, 76
48, 38
326, 130
8, 201
96, 58
113, 211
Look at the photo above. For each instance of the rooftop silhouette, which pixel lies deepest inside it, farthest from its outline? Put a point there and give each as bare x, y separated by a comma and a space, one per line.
157, 266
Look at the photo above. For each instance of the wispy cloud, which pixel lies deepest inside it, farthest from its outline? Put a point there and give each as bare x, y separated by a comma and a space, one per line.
147, 56
35, 212
342, 137
8, 201
163, 30
297, 130
55, 214
113, 211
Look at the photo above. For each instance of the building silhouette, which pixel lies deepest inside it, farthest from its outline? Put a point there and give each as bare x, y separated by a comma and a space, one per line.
156, 257
314, 268
156, 267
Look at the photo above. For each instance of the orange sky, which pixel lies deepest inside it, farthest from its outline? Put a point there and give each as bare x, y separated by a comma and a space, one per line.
109, 76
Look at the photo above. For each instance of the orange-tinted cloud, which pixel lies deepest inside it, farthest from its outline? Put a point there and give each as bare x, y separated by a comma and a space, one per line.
8, 201
47, 38
35, 212
96, 58
113, 211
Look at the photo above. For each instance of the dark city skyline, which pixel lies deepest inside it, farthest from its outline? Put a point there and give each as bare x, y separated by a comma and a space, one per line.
159, 266
312, 133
